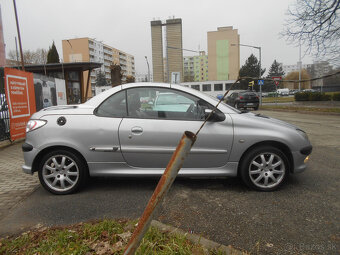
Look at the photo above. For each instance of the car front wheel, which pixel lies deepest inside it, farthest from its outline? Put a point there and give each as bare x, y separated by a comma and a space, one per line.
62, 172
264, 168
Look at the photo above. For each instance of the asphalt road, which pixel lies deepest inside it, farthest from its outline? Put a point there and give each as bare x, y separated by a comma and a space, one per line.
302, 217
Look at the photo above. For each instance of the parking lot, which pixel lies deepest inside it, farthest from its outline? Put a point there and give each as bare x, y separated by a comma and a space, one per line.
302, 217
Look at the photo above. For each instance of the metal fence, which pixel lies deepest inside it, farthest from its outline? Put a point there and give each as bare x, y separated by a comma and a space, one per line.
4, 114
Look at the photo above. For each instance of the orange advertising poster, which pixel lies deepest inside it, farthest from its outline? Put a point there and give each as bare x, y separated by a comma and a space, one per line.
20, 96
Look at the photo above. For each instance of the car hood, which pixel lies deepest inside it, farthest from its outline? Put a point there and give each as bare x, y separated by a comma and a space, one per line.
64, 110
264, 120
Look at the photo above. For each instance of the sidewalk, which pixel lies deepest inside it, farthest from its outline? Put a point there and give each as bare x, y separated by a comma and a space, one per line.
15, 185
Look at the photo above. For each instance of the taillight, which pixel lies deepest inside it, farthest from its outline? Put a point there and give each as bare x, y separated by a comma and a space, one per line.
241, 97
34, 124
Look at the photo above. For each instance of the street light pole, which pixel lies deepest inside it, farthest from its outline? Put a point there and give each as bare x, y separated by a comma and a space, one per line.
147, 62
300, 65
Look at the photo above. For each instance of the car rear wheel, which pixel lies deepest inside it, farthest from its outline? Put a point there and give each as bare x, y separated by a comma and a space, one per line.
264, 168
62, 172
236, 106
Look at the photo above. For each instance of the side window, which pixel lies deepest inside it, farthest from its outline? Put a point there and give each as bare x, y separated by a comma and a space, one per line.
114, 106
162, 103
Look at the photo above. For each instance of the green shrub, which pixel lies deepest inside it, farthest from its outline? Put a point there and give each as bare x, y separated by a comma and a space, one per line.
336, 97
312, 96
326, 97
301, 96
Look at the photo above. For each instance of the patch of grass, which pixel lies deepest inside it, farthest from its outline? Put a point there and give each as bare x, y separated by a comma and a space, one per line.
102, 237
277, 99
299, 108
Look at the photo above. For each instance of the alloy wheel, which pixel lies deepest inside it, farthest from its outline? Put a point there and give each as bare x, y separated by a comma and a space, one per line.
267, 170
60, 173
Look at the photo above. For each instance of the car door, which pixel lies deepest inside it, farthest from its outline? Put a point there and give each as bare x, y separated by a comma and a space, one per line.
152, 130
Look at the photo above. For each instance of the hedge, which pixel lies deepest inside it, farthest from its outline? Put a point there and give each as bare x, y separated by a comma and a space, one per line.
336, 97
312, 96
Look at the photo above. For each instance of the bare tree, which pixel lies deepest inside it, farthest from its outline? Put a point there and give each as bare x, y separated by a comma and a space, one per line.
316, 25
38, 56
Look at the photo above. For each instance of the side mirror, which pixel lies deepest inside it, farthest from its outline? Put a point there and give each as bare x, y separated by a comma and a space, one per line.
214, 116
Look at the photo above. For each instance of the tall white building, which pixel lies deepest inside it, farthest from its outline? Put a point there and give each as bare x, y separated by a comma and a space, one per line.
294, 68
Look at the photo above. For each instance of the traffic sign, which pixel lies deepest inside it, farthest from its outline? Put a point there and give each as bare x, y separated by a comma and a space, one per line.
277, 80
260, 82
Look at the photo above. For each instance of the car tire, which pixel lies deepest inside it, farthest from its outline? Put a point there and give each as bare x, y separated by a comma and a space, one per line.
236, 106
264, 168
62, 172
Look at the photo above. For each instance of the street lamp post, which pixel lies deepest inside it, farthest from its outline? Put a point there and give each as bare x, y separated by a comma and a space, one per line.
147, 62
259, 48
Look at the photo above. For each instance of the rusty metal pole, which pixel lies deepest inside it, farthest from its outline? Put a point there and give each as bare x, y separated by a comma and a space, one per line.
19, 37
87, 85
164, 184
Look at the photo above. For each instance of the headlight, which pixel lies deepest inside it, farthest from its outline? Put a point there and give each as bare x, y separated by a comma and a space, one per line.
303, 133
34, 124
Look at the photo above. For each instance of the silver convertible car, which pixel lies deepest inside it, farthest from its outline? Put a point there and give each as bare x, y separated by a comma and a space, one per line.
133, 129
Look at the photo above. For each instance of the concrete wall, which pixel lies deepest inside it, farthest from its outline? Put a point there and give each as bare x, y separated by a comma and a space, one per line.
174, 39
157, 51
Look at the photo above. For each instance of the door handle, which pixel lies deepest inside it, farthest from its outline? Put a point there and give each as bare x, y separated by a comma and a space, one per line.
136, 130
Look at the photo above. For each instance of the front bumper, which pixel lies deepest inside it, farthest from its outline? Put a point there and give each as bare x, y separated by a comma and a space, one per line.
299, 158
29, 155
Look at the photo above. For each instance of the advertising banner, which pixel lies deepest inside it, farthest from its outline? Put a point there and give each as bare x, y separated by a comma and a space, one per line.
61, 91
21, 100
45, 91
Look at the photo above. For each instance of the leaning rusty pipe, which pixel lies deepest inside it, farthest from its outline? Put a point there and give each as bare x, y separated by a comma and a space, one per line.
164, 184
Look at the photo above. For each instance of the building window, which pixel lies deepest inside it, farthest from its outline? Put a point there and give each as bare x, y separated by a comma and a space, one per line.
206, 87
218, 87
197, 87
227, 86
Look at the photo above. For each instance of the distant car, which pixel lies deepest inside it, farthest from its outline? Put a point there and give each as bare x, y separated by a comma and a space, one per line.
310, 90
114, 134
283, 92
219, 96
244, 100
293, 91
265, 94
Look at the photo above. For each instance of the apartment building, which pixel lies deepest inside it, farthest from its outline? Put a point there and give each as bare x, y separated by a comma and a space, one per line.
295, 68
90, 50
223, 54
196, 68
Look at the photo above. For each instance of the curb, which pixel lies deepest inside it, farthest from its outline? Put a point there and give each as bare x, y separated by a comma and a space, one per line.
304, 112
208, 244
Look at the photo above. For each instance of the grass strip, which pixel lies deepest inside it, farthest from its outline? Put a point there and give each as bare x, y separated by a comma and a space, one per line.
101, 237
301, 108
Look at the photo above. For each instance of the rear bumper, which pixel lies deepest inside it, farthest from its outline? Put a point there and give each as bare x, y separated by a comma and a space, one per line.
248, 105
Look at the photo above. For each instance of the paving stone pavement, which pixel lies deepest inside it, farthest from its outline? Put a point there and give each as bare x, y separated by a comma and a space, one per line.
15, 185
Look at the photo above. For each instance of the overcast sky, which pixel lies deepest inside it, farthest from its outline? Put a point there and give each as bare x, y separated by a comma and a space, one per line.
125, 24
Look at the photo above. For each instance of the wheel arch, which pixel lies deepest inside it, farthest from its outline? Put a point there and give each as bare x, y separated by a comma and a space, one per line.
283, 147
42, 153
